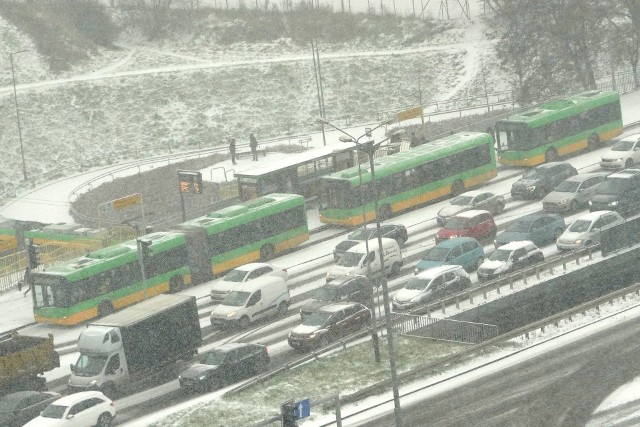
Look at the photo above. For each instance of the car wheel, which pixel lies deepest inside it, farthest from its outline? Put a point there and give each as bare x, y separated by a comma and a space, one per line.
283, 308
573, 206
267, 252
324, 341
105, 420
244, 322
479, 261
557, 234
551, 155
628, 164
588, 243
498, 209
215, 383
395, 268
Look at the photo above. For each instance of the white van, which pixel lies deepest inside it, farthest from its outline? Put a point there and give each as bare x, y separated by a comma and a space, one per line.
355, 260
251, 301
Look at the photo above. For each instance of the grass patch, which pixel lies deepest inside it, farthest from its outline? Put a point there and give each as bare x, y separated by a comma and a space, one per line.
343, 372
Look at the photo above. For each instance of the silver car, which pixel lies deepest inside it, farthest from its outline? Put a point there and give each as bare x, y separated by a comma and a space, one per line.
585, 230
477, 199
573, 193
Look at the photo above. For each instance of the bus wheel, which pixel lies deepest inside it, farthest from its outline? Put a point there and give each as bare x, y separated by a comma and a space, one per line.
551, 155
593, 141
105, 308
385, 212
457, 188
175, 284
267, 252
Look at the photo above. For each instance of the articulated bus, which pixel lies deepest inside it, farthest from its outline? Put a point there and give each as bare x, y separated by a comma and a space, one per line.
408, 178
559, 128
193, 252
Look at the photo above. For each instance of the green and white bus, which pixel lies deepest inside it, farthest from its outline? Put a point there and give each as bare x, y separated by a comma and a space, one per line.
194, 252
109, 279
254, 230
559, 128
409, 178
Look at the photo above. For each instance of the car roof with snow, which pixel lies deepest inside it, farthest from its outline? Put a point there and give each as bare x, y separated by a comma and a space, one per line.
471, 213
591, 216
432, 272
516, 245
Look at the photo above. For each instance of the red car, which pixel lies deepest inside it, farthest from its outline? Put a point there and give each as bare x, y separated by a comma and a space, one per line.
474, 223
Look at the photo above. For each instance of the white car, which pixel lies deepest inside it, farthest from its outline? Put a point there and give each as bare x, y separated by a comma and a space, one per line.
243, 274
585, 230
623, 154
84, 409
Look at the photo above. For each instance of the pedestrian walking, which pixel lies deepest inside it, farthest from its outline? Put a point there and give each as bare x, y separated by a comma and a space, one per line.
26, 281
232, 149
253, 144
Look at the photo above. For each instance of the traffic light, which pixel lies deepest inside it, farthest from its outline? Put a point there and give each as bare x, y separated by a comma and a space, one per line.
145, 248
287, 410
34, 256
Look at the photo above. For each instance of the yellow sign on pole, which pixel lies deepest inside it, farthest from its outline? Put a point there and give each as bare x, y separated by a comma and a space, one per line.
125, 202
411, 113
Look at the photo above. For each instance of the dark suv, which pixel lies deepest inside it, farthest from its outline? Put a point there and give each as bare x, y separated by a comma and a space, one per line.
396, 232
345, 288
619, 192
225, 364
538, 181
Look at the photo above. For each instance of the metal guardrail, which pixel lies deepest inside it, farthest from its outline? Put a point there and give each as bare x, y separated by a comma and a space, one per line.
442, 329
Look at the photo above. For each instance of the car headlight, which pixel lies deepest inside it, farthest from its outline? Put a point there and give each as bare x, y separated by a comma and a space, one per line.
180, 377
313, 335
614, 203
618, 160
202, 377
578, 242
93, 382
416, 271
562, 202
590, 203
232, 314
531, 188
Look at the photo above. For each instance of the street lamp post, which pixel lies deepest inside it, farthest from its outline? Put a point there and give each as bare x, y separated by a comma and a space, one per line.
15, 97
369, 147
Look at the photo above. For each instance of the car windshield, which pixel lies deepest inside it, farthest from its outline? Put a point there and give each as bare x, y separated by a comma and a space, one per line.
325, 293
500, 255
359, 234
213, 358
318, 318
622, 145
612, 186
89, 365
436, 254
580, 225
456, 223
568, 186
532, 174
462, 200
417, 283
519, 226
235, 276
350, 259
54, 411
236, 298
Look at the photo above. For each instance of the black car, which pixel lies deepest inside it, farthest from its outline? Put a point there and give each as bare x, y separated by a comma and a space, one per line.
226, 364
396, 232
345, 288
539, 181
329, 323
16, 409
619, 192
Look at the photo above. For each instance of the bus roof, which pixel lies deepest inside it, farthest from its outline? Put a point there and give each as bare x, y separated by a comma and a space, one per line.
561, 108
244, 212
404, 160
105, 258
296, 160
144, 310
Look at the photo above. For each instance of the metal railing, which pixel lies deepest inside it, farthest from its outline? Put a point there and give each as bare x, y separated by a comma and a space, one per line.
442, 329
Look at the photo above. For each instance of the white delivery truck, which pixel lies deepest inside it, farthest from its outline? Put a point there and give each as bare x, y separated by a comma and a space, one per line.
123, 348
356, 260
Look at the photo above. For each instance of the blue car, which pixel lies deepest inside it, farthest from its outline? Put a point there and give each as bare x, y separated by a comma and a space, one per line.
539, 228
463, 251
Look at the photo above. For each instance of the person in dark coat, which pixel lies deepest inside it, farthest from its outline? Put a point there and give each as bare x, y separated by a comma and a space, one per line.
253, 144
232, 149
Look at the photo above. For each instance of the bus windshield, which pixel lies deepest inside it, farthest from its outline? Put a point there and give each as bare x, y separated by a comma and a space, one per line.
49, 291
